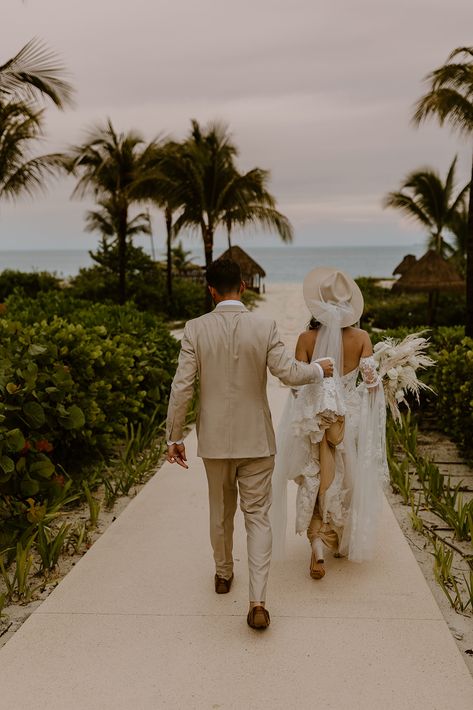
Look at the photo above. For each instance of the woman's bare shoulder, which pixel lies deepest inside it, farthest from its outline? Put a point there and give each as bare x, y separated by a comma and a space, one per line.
305, 345
358, 340
307, 336
358, 334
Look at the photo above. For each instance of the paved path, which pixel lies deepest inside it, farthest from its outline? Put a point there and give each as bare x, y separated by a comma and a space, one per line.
136, 624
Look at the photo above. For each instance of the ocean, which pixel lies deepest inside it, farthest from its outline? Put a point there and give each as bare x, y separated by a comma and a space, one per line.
282, 263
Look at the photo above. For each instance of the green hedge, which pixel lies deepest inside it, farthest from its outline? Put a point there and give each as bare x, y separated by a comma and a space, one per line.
30, 284
451, 379
453, 383
71, 384
146, 290
385, 308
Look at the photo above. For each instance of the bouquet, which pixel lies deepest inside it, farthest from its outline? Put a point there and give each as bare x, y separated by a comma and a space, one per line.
398, 362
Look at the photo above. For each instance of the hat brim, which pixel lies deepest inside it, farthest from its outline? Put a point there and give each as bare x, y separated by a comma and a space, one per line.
311, 291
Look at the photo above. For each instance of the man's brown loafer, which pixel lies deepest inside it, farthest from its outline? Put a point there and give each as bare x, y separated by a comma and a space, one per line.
222, 585
258, 618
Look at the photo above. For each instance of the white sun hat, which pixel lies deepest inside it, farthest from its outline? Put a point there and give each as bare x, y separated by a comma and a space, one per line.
326, 285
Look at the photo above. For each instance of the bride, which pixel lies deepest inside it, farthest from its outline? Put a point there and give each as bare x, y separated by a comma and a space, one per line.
331, 441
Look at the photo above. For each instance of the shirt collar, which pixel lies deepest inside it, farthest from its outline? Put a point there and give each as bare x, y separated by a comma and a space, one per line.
229, 302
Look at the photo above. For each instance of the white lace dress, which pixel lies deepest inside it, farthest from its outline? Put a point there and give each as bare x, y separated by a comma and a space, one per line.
341, 507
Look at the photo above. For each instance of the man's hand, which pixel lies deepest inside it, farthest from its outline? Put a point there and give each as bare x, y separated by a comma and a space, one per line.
177, 454
327, 366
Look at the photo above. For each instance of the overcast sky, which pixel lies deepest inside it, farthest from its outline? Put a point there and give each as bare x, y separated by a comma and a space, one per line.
320, 92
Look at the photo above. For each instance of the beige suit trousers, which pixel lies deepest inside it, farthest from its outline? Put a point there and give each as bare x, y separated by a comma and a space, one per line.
251, 477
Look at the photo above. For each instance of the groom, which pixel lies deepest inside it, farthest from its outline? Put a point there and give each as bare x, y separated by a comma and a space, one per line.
229, 351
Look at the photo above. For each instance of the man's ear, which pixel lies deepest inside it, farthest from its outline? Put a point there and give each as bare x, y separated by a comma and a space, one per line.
213, 292
242, 287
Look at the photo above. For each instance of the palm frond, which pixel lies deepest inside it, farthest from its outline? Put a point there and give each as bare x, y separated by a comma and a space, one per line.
425, 197
460, 199
452, 76
446, 104
36, 71
460, 50
408, 206
268, 218
29, 177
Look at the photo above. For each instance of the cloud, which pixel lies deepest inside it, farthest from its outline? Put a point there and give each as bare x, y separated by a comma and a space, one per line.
318, 92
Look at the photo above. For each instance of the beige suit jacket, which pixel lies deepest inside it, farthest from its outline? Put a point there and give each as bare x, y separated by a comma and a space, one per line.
229, 350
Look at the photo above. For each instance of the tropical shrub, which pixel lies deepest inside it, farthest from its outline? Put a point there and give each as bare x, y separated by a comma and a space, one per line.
146, 289
451, 379
443, 337
389, 309
70, 389
29, 284
189, 299
251, 299
453, 382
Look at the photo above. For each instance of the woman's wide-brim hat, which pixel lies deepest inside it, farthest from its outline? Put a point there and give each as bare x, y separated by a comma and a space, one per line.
328, 285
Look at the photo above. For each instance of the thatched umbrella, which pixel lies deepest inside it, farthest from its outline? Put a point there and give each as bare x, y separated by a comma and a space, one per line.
431, 273
408, 261
251, 271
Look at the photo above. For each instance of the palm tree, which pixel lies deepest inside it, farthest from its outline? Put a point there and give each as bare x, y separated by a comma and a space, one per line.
450, 99
248, 201
204, 169
424, 197
161, 185
21, 126
112, 166
105, 221
35, 71
459, 229
180, 257
209, 191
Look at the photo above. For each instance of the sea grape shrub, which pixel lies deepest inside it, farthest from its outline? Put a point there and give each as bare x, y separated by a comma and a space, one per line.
28, 284
147, 291
47, 306
385, 308
453, 382
69, 390
188, 299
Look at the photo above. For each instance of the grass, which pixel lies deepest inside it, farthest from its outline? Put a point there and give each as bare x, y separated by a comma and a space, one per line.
437, 496
43, 541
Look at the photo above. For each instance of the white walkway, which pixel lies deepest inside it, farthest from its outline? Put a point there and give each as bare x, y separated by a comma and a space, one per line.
137, 626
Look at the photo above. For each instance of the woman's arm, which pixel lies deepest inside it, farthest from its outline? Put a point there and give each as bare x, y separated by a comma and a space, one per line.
367, 364
301, 348
367, 348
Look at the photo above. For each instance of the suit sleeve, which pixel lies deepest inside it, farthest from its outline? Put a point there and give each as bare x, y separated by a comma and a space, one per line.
285, 367
182, 389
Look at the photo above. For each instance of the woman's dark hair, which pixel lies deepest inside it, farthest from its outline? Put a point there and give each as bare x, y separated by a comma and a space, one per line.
314, 324
224, 275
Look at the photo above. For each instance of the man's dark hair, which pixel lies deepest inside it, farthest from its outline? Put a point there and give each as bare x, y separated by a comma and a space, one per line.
224, 275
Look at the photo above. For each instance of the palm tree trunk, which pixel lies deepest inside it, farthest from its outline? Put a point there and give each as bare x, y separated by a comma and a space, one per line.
469, 264
229, 237
122, 244
168, 217
208, 248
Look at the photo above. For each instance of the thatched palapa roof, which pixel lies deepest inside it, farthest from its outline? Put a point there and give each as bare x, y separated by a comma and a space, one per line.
247, 264
430, 273
408, 261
